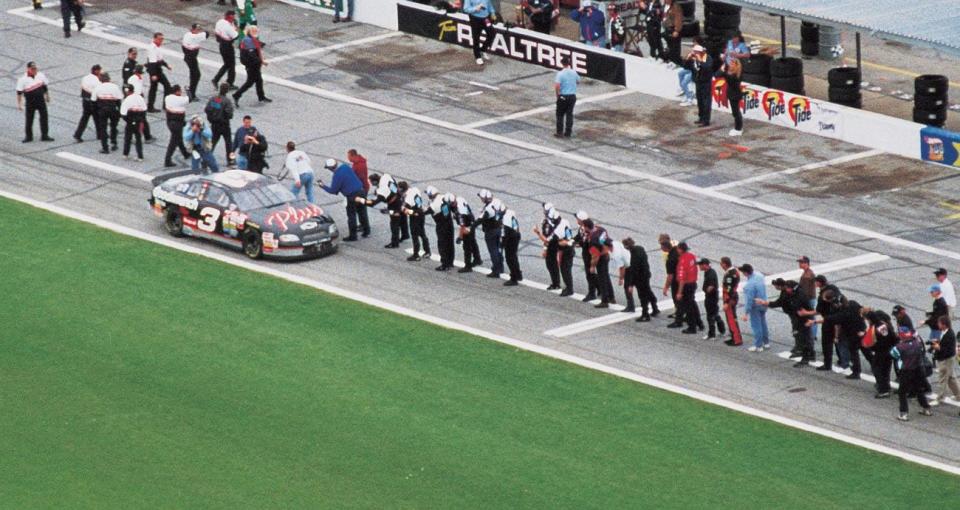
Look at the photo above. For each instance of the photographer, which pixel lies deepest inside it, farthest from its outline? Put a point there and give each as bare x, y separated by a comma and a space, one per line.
593, 30
250, 146
945, 356
198, 139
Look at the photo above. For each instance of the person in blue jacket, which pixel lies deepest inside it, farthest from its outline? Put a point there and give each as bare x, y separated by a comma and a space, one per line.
198, 139
754, 294
480, 13
346, 183
593, 30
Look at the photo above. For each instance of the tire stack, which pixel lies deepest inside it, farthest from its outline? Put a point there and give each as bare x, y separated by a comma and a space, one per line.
828, 40
720, 21
786, 74
845, 86
930, 100
691, 27
809, 39
756, 69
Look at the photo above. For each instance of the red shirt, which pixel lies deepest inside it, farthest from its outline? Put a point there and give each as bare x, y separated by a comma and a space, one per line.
687, 269
359, 164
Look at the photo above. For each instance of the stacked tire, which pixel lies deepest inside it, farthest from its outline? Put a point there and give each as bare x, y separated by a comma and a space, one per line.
845, 86
809, 39
756, 70
691, 27
720, 20
786, 74
930, 99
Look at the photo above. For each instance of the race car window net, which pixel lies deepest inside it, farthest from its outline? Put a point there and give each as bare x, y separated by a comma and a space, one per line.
217, 196
266, 196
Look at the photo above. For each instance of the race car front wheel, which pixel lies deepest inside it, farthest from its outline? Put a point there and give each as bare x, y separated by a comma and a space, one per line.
174, 222
252, 243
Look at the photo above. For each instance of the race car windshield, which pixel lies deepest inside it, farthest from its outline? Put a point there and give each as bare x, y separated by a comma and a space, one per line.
266, 196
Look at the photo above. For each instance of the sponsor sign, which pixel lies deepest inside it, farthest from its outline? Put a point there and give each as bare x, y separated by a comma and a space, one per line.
782, 108
325, 4
516, 44
940, 146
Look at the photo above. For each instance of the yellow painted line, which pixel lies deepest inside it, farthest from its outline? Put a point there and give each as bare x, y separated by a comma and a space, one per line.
865, 63
955, 207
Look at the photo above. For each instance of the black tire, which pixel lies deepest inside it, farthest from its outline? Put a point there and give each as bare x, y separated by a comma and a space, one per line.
844, 78
786, 67
689, 8
843, 95
173, 221
930, 117
757, 79
756, 64
792, 84
713, 7
809, 49
724, 21
931, 85
725, 33
810, 33
252, 243
931, 103
690, 29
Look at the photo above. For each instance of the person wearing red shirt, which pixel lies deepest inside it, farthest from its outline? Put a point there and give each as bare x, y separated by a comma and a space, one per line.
687, 279
359, 164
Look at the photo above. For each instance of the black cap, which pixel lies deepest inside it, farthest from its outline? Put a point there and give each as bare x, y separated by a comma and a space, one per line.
778, 282
820, 278
704, 261
897, 309
940, 271
746, 268
805, 259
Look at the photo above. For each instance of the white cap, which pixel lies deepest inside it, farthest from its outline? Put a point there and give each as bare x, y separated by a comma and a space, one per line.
698, 48
485, 194
450, 198
547, 206
496, 203
585, 3
330, 163
582, 215
553, 214
431, 191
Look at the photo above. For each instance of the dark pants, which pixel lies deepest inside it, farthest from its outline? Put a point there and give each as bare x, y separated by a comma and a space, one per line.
109, 118
677, 309
31, 109
67, 11
222, 129
478, 26
552, 261
404, 228
804, 342
850, 345
737, 113
356, 211
89, 112
648, 300
492, 239
229, 67
688, 303
541, 23
704, 101
827, 336
673, 50
730, 310
655, 39
565, 106
444, 230
511, 247
132, 131
604, 287
152, 95
711, 306
253, 78
566, 265
591, 280
471, 251
881, 371
911, 383
418, 234
395, 219
190, 58
176, 139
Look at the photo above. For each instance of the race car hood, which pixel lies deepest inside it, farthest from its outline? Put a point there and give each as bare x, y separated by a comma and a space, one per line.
300, 217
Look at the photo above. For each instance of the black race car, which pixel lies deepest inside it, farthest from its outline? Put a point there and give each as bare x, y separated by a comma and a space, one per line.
245, 210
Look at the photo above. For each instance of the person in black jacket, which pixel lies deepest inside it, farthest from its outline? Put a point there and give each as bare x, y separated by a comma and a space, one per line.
939, 310
551, 245
582, 239
671, 284
711, 302
945, 357
540, 13
734, 95
704, 67
851, 329
828, 338
909, 356
796, 305
638, 277
885, 339
653, 10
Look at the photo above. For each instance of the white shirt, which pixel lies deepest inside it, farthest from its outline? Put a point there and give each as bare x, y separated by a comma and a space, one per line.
563, 232
510, 221
88, 84
948, 293
107, 91
386, 186
619, 257
27, 84
225, 30
137, 83
133, 103
413, 200
192, 41
176, 104
153, 53
298, 162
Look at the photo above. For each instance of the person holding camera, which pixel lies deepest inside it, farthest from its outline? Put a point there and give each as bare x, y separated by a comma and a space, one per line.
250, 147
198, 139
593, 30
945, 356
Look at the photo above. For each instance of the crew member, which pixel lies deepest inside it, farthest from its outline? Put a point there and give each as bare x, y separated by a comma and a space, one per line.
32, 89
175, 105
88, 84
671, 285
108, 97
359, 164
638, 276
687, 280
155, 66
219, 111
564, 236
550, 245
829, 330
387, 192
755, 289
298, 162
129, 65
136, 81
511, 246
251, 56
346, 183
490, 222
191, 50
711, 302
565, 87
414, 206
600, 245
226, 33
797, 307
731, 283
68, 8
442, 215
480, 12
465, 218
247, 15
582, 239
851, 328
133, 109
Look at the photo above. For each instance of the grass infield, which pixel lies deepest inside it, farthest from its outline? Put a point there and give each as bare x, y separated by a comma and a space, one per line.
133, 375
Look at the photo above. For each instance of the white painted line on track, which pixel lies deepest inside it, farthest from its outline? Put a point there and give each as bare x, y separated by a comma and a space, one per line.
866, 377
271, 270
790, 171
105, 166
474, 93
334, 47
561, 153
545, 109
606, 320
483, 85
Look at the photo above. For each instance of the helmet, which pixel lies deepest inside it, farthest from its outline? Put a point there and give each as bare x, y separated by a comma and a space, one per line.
485, 195
582, 215
432, 191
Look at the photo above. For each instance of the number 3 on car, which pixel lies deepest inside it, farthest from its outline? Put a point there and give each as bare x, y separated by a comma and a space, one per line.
208, 219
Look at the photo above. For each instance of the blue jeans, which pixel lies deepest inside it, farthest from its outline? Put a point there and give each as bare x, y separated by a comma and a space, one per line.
338, 8
813, 329
758, 324
306, 181
686, 78
241, 161
617, 47
206, 157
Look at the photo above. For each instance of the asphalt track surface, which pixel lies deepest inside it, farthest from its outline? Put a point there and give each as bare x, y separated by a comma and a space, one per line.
636, 164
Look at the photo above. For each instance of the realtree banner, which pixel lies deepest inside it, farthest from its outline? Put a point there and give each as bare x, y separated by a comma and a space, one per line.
520, 45
326, 4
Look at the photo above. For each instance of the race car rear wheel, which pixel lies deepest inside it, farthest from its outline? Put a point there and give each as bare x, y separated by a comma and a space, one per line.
252, 243
173, 220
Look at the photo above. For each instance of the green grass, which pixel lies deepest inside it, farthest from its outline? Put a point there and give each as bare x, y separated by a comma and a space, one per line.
132, 375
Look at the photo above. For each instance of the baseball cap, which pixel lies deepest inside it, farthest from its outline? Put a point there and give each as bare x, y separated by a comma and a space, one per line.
330, 163
934, 288
553, 214
582, 215
805, 259
485, 194
698, 48
586, 3
940, 271
820, 278
703, 261
431, 191
547, 206
897, 309
746, 268
778, 282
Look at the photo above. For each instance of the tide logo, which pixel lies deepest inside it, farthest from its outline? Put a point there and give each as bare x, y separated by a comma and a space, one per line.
719, 91
750, 99
773, 104
799, 110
